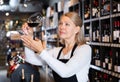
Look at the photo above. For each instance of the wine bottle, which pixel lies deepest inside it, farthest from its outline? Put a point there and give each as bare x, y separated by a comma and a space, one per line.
110, 64
116, 62
97, 60
118, 6
105, 77
116, 32
114, 6
96, 78
118, 22
96, 33
86, 10
106, 60
105, 7
94, 57
95, 9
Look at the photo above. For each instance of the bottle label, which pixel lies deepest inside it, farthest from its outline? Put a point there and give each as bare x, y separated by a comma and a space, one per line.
118, 69
109, 66
104, 65
98, 62
106, 60
115, 68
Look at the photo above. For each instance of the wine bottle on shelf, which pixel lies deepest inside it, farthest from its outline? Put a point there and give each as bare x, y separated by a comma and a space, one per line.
97, 60
106, 33
93, 56
116, 32
119, 30
86, 10
95, 9
105, 77
118, 9
97, 77
110, 64
106, 60
95, 34
116, 62
105, 7
116, 6
87, 32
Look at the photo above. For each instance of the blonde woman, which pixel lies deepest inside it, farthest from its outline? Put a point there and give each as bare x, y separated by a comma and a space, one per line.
71, 62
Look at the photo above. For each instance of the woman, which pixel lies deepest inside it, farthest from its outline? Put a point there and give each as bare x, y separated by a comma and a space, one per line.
70, 63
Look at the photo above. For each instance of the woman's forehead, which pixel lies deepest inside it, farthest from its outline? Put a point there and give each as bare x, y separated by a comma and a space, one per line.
65, 18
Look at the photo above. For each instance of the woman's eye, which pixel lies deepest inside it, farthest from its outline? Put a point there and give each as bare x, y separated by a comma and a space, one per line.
60, 23
67, 24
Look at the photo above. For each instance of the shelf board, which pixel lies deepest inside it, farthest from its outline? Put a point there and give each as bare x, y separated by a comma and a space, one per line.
104, 44
105, 71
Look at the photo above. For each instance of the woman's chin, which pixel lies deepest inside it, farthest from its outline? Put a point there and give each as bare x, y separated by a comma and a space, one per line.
62, 37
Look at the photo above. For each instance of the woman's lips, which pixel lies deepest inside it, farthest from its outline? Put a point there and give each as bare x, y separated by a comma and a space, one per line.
61, 32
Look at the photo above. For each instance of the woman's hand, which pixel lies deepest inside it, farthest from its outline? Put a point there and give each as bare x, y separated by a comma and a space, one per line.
27, 30
36, 45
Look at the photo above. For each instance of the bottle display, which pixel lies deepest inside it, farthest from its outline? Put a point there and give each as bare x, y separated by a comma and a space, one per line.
87, 9
106, 32
105, 7
104, 38
116, 30
87, 31
95, 31
115, 6
95, 9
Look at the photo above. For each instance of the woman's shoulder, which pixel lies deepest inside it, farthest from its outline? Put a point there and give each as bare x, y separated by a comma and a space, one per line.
83, 49
84, 46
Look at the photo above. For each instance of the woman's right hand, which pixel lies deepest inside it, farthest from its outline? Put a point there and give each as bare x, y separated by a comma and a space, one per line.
27, 30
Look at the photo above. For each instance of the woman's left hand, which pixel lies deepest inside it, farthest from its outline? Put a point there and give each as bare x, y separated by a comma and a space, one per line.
36, 45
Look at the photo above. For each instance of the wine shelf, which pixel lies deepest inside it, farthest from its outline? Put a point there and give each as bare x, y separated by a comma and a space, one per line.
104, 44
105, 71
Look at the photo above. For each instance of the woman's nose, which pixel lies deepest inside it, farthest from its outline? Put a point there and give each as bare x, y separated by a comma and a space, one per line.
62, 26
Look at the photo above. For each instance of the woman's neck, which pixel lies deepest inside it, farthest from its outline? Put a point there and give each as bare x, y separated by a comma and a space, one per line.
68, 47
69, 43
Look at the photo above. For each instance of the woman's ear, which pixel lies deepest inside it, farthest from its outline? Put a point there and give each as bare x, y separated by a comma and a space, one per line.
77, 29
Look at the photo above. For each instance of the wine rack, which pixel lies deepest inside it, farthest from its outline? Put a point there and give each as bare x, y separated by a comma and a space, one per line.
104, 38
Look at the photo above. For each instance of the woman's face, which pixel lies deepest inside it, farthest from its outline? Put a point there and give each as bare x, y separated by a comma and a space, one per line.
66, 28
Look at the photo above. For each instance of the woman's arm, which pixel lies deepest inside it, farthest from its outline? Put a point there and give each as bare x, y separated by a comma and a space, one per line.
81, 58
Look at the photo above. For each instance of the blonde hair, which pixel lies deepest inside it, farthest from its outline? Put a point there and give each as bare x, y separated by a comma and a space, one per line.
79, 38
